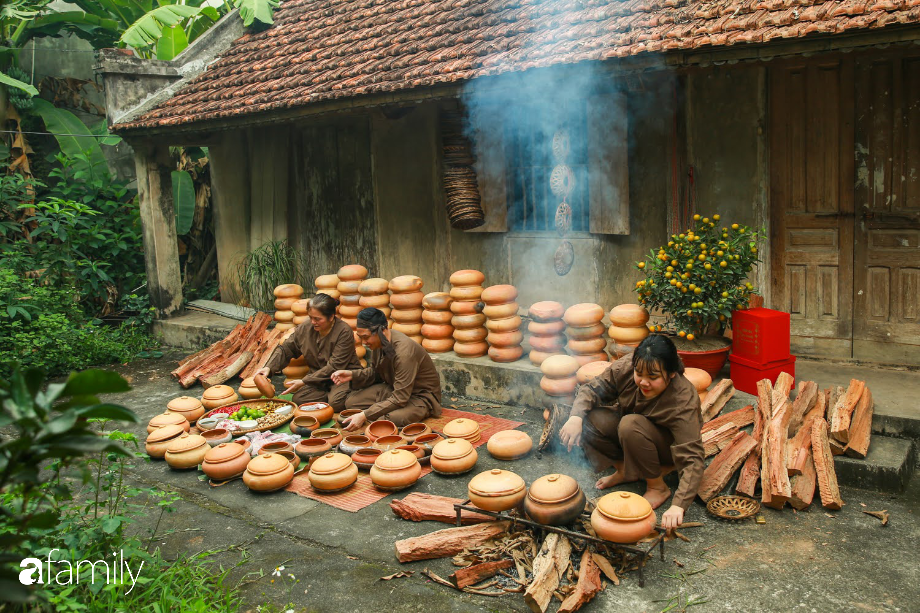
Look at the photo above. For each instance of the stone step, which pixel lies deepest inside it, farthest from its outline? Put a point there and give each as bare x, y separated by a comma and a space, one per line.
887, 467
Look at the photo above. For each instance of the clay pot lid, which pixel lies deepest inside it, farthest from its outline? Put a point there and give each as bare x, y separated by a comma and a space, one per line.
166, 419
395, 459
496, 482
699, 378
382, 427
188, 403
551, 489
414, 429
331, 463
224, 453
265, 386
324, 433
217, 392
452, 449
591, 370
547, 309
186, 442
624, 506
586, 313
248, 382
461, 428
499, 294
558, 366
314, 444
267, 464
165, 433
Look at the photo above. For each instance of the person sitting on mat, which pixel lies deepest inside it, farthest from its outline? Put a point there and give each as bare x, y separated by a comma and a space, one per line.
642, 416
328, 344
400, 382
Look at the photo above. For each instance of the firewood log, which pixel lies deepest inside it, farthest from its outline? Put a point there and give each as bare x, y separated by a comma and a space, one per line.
833, 396
750, 471
861, 426
721, 469
716, 440
804, 401
447, 542
824, 466
740, 418
774, 475
421, 507
471, 575
803, 484
840, 426
589, 584
802, 438
548, 567
782, 388
716, 399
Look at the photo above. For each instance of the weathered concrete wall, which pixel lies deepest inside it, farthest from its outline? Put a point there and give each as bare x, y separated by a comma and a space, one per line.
269, 157
230, 196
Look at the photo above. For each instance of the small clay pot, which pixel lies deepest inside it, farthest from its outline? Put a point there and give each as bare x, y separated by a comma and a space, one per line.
373, 286
288, 290
268, 473
407, 300
304, 425
584, 314
395, 470
406, 316
225, 461
699, 378
509, 445
428, 441
415, 450
332, 472
470, 335
467, 277
623, 517
506, 324
504, 355
546, 310
352, 272
471, 350
274, 447
436, 318
496, 490
326, 281
499, 294
322, 411
330, 435
191, 408
549, 328
629, 316
584, 333
217, 395
600, 356
165, 419
248, 390
501, 311
586, 347
187, 451
558, 387
548, 344
159, 440
466, 292
364, 458
437, 301
310, 448
413, 431
453, 456
590, 371
292, 457
353, 442
440, 345
405, 283
554, 500
559, 366
217, 436
381, 427
628, 335
341, 417
385, 443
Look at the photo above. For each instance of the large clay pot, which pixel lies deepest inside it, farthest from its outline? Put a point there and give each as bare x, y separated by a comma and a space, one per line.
413, 431
499, 294
549, 328
547, 344
590, 371
501, 311
365, 457
353, 442
453, 456
406, 316
385, 443
322, 411
628, 335
410, 300
437, 317
506, 354
623, 517
288, 290
554, 500
311, 448
505, 339
558, 387
437, 301
629, 316
496, 490
471, 350
381, 427
468, 322
584, 333
465, 307
463, 428
191, 408
304, 425
584, 314
330, 435
470, 335
467, 277
440, 345
509, 445
559, 366
332, 472
326, 281
546, 311
375, 301
187, 451
587, 347
166, 419
437, 331
159, 440
248, 390
395, 470
466, 292
217, 395
225, 461
506, 324
406, 284
352, 272
268, 473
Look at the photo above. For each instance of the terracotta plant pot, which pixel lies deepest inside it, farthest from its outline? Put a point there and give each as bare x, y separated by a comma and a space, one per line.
559, 367
248, 390
304, 425
409, 300
506, 324
501, 311
623, 517
268, 473
591, 370
629, 316
217, 395
187, 451
332, 472
275, 447
550, 328
467, 277
554, 500
413, 431
350, 444
509, 445
321, 411
453, 456
288, 290
465, 307
437, 301
217, 436
381, 427
546, 311
330, 435
470, 335
191, 408
311, 448
385, 443
711, 361
496, 490
438, 346
225, 461
364, 458
352, 272
471, 350
265, 385
395, 470
506, 354
628, 335
437, 317
166, 419
159, 440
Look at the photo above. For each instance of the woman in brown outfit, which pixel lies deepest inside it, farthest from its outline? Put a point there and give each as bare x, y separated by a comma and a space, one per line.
400, 382
327, 344
642, 416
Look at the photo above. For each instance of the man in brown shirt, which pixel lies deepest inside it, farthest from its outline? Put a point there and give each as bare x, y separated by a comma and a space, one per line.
642, 416
400, 382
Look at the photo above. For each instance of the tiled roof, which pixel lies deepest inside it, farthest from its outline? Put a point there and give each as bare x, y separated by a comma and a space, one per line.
325, 49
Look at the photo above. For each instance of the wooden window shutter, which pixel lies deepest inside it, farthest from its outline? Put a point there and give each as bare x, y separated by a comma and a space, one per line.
608, 167
489, 150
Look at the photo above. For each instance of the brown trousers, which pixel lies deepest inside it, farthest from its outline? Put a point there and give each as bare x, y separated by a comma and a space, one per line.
644, 447
415, 410
333, 394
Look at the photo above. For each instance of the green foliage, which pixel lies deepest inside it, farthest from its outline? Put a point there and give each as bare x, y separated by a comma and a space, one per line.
20, 91
700, 276
183, 190
149, 28
256, 10
262, 270
84, 150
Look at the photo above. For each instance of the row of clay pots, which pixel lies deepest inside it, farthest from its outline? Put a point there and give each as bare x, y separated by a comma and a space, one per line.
406, 300
546, 329
505, 336
437, 331
468, 322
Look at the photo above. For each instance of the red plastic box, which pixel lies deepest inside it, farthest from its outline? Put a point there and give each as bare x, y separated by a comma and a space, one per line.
760, 335
746, 373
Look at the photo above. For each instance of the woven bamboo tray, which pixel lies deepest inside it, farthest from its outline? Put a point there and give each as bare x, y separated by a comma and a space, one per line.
258, 405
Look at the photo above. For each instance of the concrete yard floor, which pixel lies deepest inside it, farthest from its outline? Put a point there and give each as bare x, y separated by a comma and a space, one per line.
808, 561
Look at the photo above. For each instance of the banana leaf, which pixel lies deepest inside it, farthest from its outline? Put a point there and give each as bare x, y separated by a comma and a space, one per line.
183, 200
72, 134
11, 82
148, 29
256, 10
171, 43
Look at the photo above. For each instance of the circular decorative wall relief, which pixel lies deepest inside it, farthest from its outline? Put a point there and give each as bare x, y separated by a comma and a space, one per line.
564, 258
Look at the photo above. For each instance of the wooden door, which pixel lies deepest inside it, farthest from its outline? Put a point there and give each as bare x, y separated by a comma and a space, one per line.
811, 203
887, 272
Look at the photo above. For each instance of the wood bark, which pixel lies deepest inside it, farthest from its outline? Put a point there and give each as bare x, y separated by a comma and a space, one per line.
846, 404
774, 474
782, 388
589, 584
715, 441
802, 438
428, 507
740, 418
833, 395
824, 466
447, 542
267, 344
548, 569
606, 567
227, 371
721, 469
861, 426
471, 575
804, 401
750, 472
716, 399
803, 485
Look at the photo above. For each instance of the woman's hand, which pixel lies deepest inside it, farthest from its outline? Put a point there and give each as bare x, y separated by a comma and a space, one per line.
265, 372
296, 385
341, 376
570, 434
672, 518
355, 421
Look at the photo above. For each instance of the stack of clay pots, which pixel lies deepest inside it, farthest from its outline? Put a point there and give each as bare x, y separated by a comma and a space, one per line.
559, 378
468, 322
547, 331
350, 278
437, 333
406, 301
285, 297
375, 293
503, 323
301, 310
585, 332
627, 328
296, 369
327, 284
360, 350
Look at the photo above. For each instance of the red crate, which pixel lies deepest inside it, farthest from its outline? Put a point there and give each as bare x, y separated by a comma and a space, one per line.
760, 335
746, 373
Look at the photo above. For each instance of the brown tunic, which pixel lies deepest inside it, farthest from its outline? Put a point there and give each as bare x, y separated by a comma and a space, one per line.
410, 374
324, 354
676, 410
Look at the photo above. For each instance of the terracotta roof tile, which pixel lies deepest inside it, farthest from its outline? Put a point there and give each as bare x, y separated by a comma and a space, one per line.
326, 49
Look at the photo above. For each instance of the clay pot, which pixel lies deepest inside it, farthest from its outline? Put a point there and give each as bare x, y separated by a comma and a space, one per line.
341, 417
166, 419
628, 335
499, 294
428, 441
581, 333
437, 317
618, 350
496, 490
409, 330
275, 447
509, 445
159, 440
311, 448
587, 347
406, 316
507, 324
365, 457
351, 299
470, 335
587, 358
702, 396
559, 366
352, 272
187, 451
590, 371
440, 345
374, 286
629, 316
376, 301
381, 427
437, 301
584, 314
465, 307
284, 326
505, 339
225, 461
453, 456
248, 390
326, 281
347, 310
332, 472
546, 311
284, 316
501, 311
415, 450
471, 350
437, 331
215, 396
353, 442
538, 357
558, 387
548, 344
410, 300
321, 411
295, 372
413, 431
268, 473
463, 428
468, 322
304, 425
245, 443
699, 378
506, 354
385, 443
395, 470
623, 517
554, 500
330, 435
467, 277
406, 284
301, 307
329, 291
217, 436
346, 288
288, 383
288, 290
265, 386
285, 304
550, 328
292, 457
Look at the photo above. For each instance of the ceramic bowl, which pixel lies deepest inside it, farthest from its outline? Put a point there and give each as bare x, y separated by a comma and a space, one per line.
413, 431
304, 425
217, 436
284, 409
365, 458
322, 411
353, 442
247, 424
206, 423
428, 441
380, 428
275, 447
311, 448
244, 442
341, 417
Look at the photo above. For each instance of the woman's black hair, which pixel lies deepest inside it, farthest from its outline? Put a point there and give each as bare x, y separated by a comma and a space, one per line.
324, 303
657, 352
371, 318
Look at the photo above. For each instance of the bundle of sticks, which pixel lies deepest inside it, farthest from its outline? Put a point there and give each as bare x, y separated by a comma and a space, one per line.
792, 447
